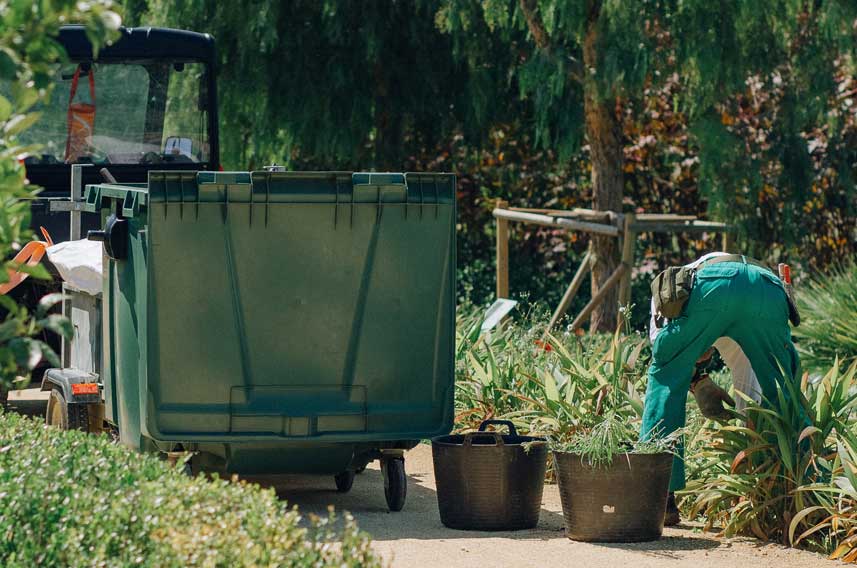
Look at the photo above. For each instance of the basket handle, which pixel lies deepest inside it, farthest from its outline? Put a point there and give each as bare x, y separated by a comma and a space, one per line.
468, 438
507, 423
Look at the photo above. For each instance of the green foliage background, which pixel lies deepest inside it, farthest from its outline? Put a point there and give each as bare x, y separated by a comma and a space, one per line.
27, 55
828, 308
728, 111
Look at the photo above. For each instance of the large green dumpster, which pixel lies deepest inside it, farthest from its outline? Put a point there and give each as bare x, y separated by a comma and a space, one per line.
280, 322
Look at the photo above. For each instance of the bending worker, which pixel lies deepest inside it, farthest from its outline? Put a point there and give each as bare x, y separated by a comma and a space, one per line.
730, 302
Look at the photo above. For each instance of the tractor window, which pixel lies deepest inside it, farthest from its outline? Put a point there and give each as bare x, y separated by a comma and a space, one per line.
123, 113
185, 125
120, 111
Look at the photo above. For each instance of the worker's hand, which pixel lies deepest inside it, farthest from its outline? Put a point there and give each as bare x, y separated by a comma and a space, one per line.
710, 399
706, 357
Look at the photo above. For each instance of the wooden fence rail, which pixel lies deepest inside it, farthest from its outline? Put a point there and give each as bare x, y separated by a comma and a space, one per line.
625, 227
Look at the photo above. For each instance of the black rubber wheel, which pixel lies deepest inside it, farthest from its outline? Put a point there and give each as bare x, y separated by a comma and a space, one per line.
65, 416
395, 482
344, 481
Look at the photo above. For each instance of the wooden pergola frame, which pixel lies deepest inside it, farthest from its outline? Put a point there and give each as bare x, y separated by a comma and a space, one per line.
624, 227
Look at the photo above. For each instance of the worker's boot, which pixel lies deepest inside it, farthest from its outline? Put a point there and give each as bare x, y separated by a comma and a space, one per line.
671, 517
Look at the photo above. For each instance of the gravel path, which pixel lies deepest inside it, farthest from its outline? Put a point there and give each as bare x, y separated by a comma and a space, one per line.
416, 537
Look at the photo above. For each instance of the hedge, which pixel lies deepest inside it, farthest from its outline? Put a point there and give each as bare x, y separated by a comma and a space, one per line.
74, 499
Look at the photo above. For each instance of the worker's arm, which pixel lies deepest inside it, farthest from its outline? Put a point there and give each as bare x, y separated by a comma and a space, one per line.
743, 377
653, 324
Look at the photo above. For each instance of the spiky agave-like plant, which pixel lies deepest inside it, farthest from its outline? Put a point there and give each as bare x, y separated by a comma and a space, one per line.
754, 478
828, 306
835, 516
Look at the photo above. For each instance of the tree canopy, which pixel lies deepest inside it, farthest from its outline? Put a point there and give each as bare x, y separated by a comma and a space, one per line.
745, 109
345, 81
597, 58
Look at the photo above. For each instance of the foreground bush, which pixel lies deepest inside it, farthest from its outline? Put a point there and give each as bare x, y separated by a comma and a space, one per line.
72, 499
828, 307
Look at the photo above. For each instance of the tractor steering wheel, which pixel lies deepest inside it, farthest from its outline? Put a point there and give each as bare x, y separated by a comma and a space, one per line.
151, 158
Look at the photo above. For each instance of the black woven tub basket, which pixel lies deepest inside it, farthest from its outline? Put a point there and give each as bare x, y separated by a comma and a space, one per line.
623, 502
487, 481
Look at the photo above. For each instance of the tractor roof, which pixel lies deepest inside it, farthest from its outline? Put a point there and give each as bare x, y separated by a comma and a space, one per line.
140, 43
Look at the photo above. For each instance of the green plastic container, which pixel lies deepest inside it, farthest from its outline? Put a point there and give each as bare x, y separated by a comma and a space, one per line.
281, 322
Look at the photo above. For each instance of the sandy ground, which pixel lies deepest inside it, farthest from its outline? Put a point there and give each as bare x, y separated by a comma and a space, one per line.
416, 537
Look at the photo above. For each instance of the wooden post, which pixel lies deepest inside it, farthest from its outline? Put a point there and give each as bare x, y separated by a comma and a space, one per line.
76, 199
598, 297
571, 291
629, 238
502, 253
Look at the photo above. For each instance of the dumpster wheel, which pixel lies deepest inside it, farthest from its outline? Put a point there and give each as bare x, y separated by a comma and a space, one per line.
66, 416
344, 481
395, 482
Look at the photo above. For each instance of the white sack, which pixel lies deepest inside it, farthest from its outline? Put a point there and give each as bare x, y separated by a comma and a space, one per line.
79, 264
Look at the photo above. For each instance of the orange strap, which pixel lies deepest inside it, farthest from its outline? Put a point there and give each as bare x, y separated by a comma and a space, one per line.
30, 255
47, 236
80, 118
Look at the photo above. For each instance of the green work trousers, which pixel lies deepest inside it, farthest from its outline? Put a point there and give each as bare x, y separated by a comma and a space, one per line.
731, 299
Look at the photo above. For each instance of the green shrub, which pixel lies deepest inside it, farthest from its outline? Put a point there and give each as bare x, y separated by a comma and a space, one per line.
784, 476
835, 516
828, 309
27, 57
791, 477
612, 435
73, 499
554, 385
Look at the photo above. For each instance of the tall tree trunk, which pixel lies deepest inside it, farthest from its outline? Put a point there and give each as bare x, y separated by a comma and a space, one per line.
388, 125
604, 134
388, 139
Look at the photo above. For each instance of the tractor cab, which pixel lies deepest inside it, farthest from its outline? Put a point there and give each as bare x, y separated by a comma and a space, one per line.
146, 102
